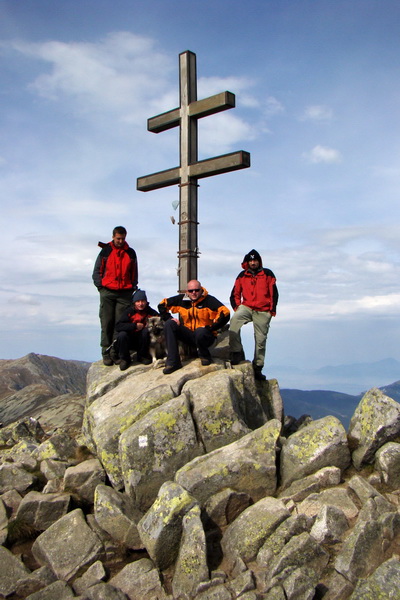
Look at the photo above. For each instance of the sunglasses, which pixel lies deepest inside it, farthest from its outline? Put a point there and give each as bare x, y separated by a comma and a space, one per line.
194, 290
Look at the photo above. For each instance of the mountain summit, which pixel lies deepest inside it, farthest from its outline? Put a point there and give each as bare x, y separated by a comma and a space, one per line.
41, 386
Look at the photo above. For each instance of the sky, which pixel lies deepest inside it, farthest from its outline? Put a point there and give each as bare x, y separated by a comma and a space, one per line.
317, 86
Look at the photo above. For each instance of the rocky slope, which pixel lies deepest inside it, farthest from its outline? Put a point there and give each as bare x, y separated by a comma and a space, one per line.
42, 387
197, 487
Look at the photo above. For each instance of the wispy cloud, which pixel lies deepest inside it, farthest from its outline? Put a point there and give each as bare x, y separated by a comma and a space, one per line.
122, 73
273, 107
323, 154
317, 112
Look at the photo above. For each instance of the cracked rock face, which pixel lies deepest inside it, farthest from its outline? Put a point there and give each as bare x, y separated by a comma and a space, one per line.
188, 489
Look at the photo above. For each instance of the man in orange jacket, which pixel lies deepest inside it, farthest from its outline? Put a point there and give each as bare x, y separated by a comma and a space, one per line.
200, 317
253, 298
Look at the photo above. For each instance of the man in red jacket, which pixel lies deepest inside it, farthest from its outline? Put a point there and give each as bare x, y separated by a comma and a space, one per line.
253, 298
115, 275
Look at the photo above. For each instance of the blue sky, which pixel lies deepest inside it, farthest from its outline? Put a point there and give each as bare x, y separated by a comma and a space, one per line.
317, 90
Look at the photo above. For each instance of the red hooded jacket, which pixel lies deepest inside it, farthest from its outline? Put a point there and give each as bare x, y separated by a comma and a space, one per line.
116, 268
255, 289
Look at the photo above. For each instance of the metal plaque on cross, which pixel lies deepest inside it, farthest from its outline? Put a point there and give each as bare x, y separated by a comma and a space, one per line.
190, 168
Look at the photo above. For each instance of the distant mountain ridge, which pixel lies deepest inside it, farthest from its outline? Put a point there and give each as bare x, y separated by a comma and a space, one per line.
320, 403
350, 378
54, 389
41, 386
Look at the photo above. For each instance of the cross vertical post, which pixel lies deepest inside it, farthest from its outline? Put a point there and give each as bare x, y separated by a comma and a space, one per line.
188, 201
190, 168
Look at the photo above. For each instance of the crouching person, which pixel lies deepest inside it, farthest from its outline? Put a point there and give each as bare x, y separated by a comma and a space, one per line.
200, 317
132, 333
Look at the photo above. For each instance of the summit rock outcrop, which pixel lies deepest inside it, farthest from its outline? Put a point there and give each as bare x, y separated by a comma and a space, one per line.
191, 486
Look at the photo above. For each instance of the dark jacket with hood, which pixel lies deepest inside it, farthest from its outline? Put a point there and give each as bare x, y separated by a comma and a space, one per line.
130, 317
255, 289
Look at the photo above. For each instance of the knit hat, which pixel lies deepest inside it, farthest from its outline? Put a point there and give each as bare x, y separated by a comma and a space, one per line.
252, 255
139, 295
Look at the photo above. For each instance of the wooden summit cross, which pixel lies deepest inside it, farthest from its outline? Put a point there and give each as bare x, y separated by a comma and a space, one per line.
190, 169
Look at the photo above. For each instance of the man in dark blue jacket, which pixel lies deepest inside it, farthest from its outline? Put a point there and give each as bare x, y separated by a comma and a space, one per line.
132, 333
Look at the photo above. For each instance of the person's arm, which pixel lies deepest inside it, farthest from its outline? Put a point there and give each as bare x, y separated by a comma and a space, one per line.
222, 318
97, 272
273, 290
275, 298
166, 306
134, 269
125, 323
236, 293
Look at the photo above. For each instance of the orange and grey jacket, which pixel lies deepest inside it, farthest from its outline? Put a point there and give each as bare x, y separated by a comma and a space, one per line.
206, 311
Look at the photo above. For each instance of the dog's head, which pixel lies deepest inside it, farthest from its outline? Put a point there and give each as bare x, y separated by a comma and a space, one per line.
155, 326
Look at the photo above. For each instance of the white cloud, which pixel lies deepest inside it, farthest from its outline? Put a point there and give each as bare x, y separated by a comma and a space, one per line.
208, 86
323, 154
23, 299
121, 73
273, 107
376, 305
219, 133
317, 113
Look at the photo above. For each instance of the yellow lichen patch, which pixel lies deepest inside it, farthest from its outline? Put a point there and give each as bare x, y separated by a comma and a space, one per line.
164, 420
266, 440
216, 426
189, 564
110, 461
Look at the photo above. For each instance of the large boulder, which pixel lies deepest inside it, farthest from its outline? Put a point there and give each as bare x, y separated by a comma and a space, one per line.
275, 543
42, 510
217, 408
299, 564
191, 567
387, 463
248, 465
338, 497
60, 446
68, 546
375, 422
382, 583
109, 415
82, 479
3, 522
363, 550
13, 477
224, 405
154, 448
12, 570
161, 527
139, 580
301, 488
271, 399
244, 537
322, 443
117, 515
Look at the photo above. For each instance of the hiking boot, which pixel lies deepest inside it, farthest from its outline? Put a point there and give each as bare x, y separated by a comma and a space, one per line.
124, 364
237, 357
145, 360
205, 362
114, 354
257, 373
107, 360
171, 369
